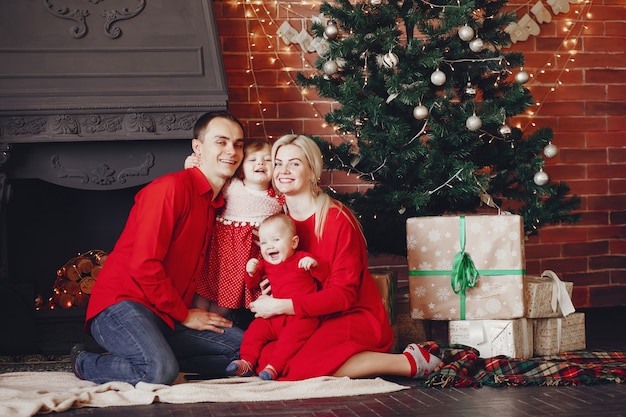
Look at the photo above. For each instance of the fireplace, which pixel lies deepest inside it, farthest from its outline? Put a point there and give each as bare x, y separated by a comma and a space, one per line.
97, 98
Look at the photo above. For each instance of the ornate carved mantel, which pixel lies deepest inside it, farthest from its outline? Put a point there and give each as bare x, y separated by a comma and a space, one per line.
103, 94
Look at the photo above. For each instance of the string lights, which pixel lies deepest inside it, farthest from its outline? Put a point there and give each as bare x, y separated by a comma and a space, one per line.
270, 49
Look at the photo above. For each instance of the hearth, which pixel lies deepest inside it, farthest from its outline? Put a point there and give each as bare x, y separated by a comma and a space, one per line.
96, 99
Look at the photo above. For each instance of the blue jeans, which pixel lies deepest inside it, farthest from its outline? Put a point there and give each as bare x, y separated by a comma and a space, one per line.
141, 347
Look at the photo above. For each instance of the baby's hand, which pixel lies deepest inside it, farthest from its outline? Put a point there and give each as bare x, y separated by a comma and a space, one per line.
192, 161
307, 263
251, 266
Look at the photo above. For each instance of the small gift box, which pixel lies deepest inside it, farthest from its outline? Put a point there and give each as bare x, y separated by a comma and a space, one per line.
556, 335
466, 267
386, 283
547, 296
512, 338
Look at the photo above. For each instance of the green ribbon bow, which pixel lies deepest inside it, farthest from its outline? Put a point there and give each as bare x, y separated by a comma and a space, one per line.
464, 273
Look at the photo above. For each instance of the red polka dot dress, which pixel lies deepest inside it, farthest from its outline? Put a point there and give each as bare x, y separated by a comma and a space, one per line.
222, 278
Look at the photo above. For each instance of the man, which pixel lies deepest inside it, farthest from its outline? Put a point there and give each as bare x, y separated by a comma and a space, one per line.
140, 307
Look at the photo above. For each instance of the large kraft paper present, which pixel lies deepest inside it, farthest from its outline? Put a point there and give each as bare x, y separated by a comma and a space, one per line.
466, 267
512, 338
556, 335
547, 296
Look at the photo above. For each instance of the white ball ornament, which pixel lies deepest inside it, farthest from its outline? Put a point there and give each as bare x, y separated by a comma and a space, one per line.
330, 67
550, 150
541, 178
521, 77
331, 31
438, 77
505, 130
420, 112
390, 60
476, 45
466, 33
473, 123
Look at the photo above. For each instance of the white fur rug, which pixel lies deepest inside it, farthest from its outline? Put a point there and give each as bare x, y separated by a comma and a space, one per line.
24, 394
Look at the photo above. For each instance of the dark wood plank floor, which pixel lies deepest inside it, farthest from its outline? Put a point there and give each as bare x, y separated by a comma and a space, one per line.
604, 332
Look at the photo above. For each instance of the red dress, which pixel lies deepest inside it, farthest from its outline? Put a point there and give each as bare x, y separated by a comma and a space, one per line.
222, 278
353, 318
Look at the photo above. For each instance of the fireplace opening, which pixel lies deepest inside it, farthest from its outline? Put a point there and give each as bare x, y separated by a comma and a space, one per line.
50, 224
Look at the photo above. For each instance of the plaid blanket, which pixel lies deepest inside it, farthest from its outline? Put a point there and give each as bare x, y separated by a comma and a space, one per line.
462, 367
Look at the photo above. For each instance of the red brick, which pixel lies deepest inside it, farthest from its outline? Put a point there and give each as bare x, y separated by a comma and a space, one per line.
580, 297
614, 28
617, 124
618, 217
539, 251
584, 155
606, 171
618, 278
594, 218
566, 265
606, 202
607, 262
612, 12
617, 155
615, 92
582, 124
586, 278
617, 247
605, 44
585, 249
588, 186
607, 296
604, 140
533, 267
607, 232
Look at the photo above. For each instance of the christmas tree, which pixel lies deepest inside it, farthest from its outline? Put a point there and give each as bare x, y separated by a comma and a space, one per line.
427, 93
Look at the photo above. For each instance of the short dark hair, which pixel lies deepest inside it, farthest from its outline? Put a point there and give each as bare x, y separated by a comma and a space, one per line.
204, 120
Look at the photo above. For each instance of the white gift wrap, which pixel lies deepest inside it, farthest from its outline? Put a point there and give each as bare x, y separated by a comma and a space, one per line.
512, 338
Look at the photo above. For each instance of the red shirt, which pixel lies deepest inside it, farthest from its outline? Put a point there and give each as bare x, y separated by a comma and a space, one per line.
158, 256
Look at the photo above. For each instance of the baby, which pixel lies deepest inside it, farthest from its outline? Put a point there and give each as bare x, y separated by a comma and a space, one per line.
290, 273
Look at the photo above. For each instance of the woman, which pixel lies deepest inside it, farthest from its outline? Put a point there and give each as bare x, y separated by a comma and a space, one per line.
354, 334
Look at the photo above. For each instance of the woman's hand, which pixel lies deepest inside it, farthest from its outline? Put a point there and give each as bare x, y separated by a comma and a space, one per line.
192, 161
267, 306
199, 319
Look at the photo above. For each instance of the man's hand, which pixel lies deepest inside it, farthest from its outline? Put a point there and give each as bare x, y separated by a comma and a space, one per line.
199, 319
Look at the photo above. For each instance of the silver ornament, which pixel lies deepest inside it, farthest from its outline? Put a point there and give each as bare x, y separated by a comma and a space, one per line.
420, 112
505, 130
473, 123
466, 33
541, 178
476, 45
521, 77
438, 77
331, 31
550, 150
470, 90
390, 60
330, 67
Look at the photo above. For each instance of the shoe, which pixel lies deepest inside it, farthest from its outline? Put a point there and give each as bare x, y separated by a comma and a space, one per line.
422, 362
77, 349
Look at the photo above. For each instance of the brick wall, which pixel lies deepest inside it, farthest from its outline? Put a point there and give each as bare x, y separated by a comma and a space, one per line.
581, 96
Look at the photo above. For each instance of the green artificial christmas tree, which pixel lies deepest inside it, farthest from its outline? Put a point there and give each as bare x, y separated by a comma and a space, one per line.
427, 90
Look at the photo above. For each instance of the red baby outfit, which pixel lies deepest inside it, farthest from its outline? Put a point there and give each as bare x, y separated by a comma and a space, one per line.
353, 318
290, 332
223, 275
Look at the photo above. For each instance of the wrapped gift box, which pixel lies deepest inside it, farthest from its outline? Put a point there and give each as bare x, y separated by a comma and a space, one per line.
495, 245
556, 335
386, 282
512, 338
547, 296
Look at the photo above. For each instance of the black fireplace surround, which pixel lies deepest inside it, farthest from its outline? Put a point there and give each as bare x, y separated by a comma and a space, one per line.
95, 95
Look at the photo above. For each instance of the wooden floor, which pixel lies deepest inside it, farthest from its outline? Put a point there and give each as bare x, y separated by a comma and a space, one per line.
605, 331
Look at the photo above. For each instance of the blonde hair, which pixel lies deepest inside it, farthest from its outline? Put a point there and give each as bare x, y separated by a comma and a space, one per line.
313, 155
281, 220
